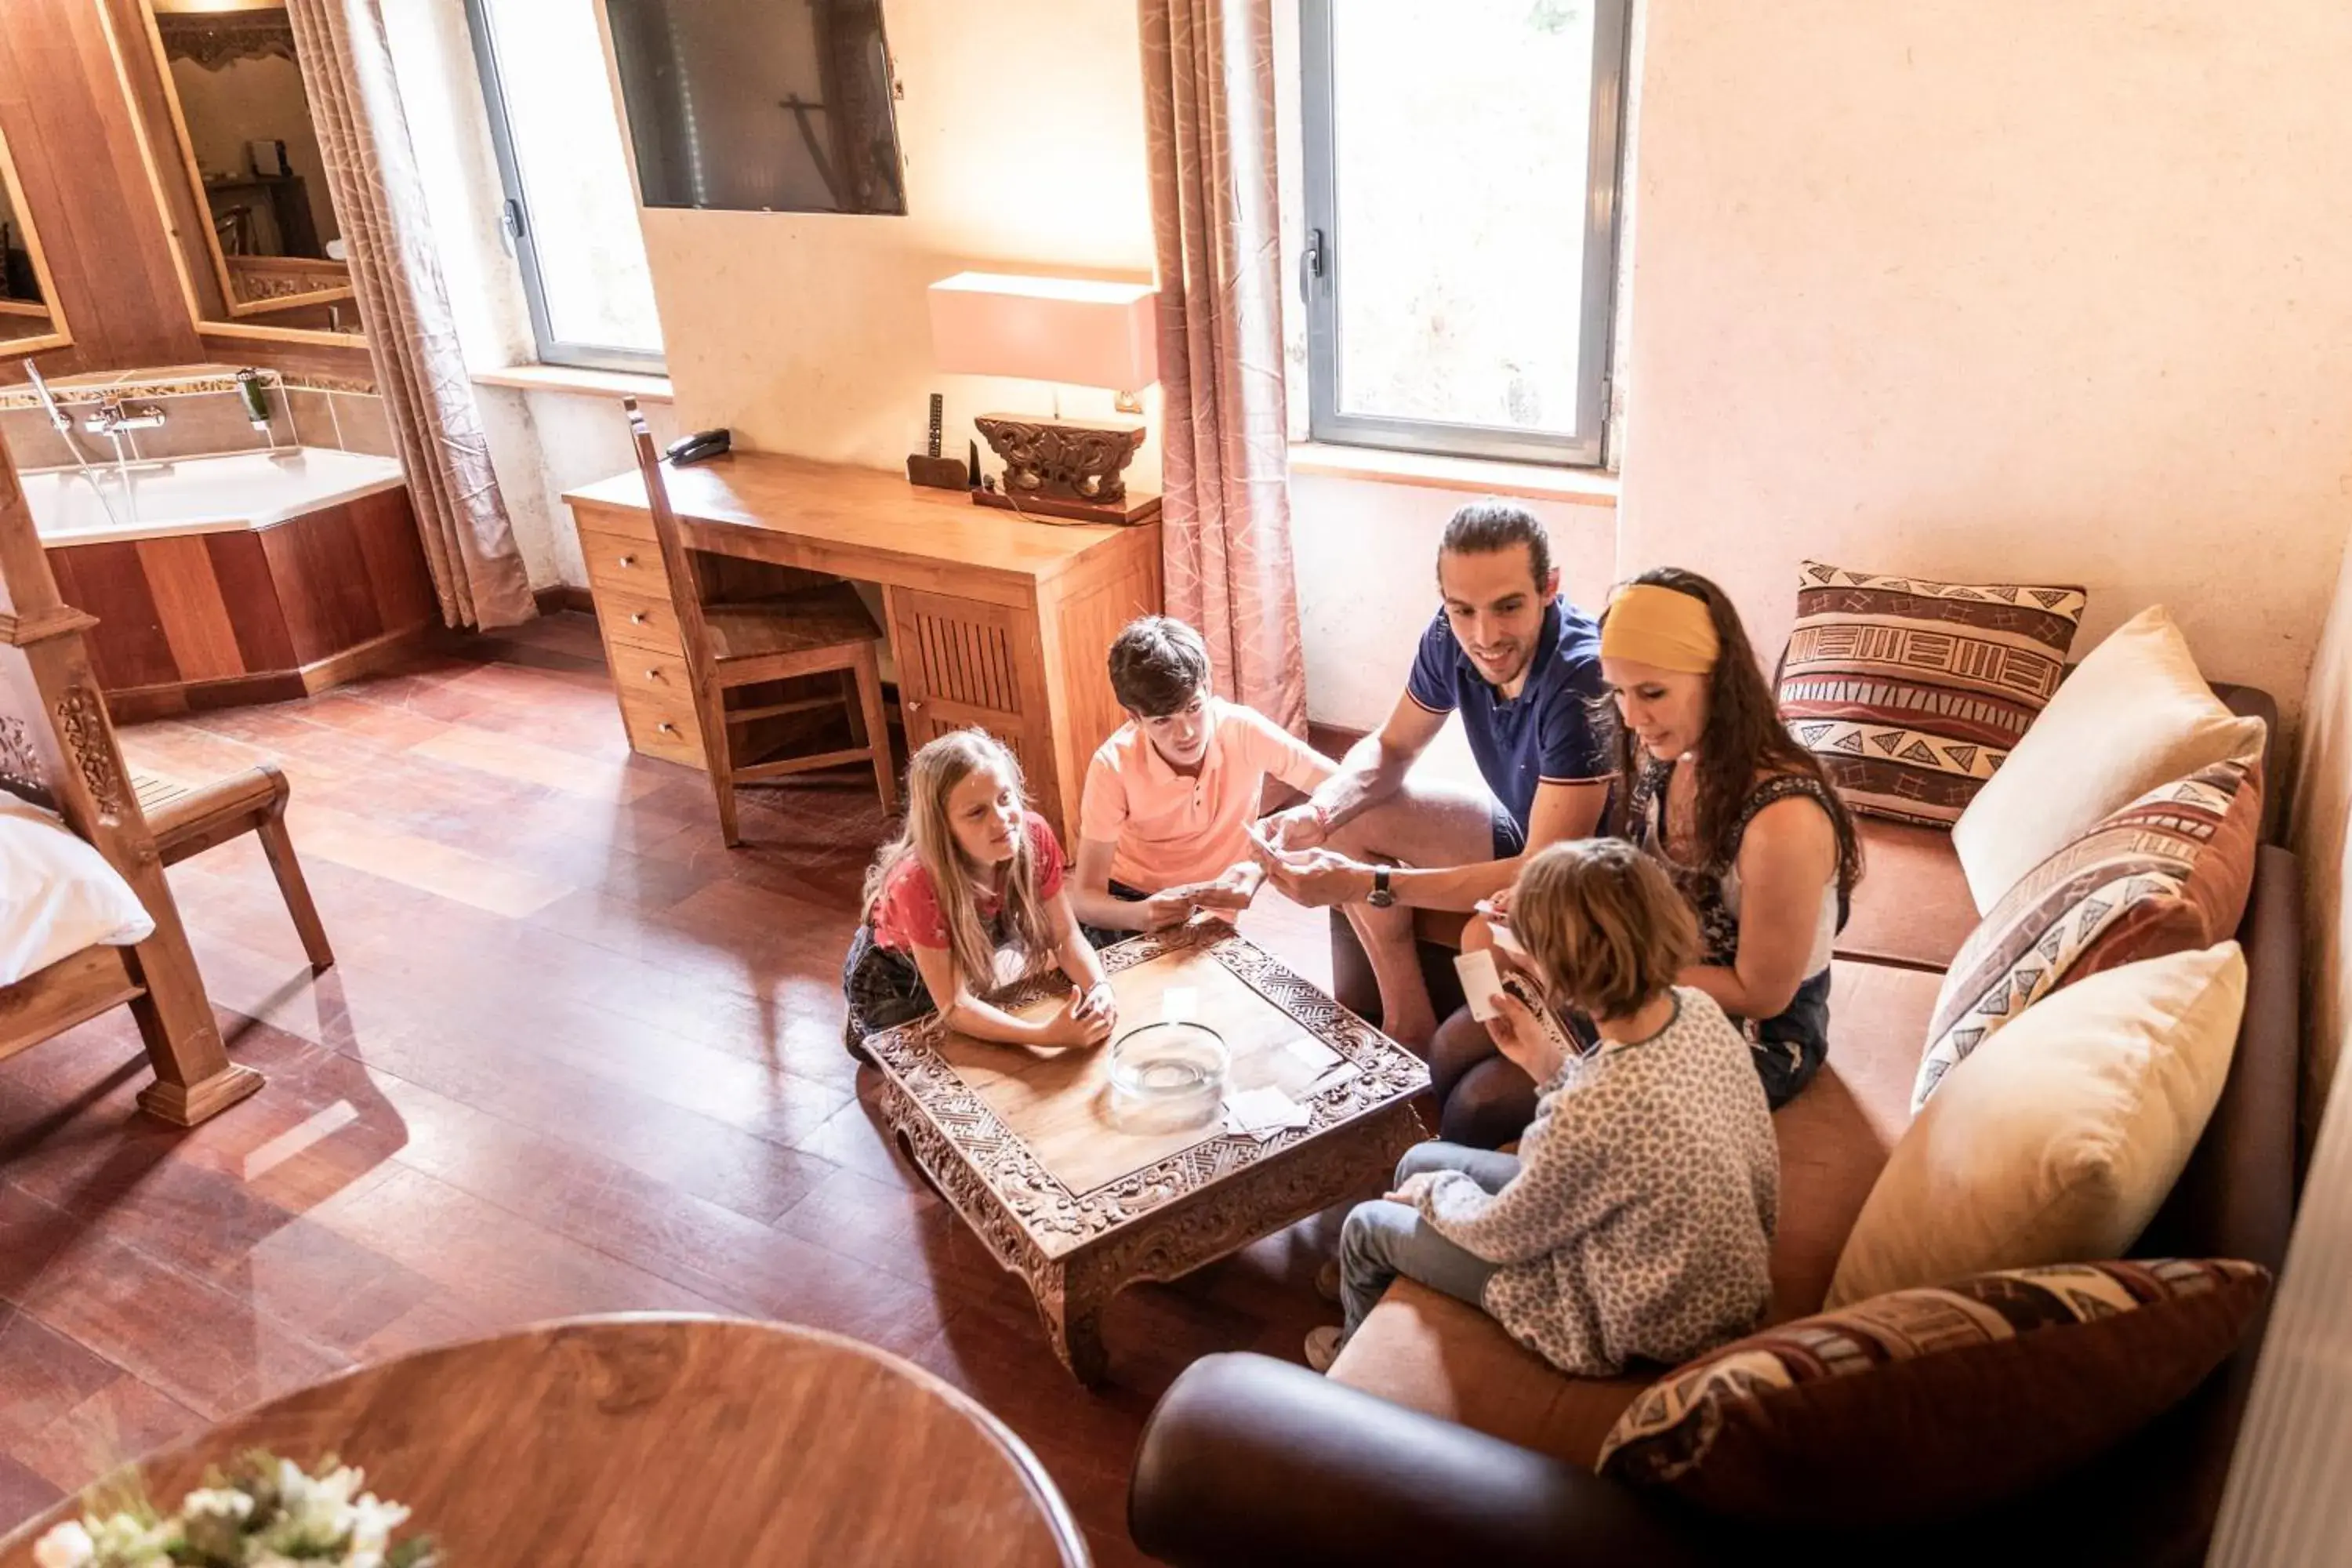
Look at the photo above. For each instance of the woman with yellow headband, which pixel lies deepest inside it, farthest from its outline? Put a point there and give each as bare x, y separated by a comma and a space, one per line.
1709, 782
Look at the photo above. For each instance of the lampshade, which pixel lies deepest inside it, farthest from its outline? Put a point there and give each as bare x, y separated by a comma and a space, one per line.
1046, 328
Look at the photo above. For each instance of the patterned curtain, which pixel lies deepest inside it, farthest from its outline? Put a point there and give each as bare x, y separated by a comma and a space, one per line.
1208, 87
420, 374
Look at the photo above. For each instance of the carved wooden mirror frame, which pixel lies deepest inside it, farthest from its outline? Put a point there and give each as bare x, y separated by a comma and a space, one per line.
181, 197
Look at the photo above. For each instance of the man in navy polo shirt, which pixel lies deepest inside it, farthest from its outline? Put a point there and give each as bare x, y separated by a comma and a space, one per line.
1522, 666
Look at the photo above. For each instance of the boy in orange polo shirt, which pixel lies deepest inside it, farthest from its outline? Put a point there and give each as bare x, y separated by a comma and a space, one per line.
1163, 823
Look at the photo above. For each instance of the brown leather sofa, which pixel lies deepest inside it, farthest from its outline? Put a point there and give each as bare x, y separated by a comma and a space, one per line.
1436, 1438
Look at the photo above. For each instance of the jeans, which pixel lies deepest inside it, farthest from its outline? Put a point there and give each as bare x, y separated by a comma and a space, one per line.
1383, 1239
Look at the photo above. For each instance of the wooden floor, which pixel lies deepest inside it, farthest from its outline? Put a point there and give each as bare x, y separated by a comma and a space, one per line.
575, 1056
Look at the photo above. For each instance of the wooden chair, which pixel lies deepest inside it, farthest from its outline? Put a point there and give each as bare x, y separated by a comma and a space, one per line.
188, 819
732, 645
58, 749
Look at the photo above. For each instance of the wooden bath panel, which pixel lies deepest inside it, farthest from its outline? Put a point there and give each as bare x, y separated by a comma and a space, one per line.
210, 620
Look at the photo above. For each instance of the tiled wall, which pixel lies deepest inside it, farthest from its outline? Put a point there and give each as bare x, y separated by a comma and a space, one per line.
202, 415
354, 421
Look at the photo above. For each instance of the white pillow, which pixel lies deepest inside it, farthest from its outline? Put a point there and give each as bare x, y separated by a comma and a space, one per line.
2134, 715
58, 894
2060, 1137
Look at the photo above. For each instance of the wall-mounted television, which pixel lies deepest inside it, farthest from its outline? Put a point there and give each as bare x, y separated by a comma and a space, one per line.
759, 105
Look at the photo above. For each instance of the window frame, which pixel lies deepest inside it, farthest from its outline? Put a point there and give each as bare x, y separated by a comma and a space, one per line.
1323, 251
514, 218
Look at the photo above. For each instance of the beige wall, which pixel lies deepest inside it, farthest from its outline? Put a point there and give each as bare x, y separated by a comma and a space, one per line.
2005, 288
1022, 129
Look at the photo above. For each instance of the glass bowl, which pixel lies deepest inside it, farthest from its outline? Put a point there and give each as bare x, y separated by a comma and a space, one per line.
1167, 1077
1169, 1061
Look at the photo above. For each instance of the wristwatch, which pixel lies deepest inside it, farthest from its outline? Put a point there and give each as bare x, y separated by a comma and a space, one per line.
1381, 897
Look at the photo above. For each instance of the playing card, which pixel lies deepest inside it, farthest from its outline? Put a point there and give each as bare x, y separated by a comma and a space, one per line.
1480, 980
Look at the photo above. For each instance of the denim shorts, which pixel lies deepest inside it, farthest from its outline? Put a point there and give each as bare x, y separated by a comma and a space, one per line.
882, 987
1789, 1049
1510, 838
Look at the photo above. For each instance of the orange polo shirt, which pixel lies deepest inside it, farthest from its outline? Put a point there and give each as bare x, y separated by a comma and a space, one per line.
1170, 829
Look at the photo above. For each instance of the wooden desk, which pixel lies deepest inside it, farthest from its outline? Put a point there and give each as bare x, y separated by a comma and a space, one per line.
994, 620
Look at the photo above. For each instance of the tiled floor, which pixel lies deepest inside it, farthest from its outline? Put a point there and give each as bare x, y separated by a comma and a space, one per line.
575, 1056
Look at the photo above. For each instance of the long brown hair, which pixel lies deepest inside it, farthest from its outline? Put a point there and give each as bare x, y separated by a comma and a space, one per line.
1744, 738
932, 774
1603, 923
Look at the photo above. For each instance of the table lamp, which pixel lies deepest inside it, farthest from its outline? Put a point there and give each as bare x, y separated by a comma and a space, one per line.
1067, 331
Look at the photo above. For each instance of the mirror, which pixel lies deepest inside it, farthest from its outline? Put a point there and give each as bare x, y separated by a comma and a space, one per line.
268, 250
29, 319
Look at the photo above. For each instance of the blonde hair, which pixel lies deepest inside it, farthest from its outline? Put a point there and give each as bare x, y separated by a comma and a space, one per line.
932, 774
1603, 924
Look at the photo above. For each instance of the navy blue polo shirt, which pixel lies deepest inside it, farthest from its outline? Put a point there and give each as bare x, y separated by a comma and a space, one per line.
1544, 735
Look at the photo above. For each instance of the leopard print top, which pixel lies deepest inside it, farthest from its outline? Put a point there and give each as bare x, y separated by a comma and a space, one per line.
1640, 1225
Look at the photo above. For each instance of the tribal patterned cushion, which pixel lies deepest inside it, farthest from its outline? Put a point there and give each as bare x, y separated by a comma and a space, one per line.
1923, 1401
2168, 873
1912, 692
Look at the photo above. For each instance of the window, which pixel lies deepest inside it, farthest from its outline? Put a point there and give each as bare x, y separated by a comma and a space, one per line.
570, 209
1461, 185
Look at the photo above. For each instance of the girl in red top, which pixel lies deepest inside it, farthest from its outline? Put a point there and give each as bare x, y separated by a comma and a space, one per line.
968, 897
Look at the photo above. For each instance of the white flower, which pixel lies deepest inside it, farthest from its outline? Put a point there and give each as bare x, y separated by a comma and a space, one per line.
315, 1514
66, 1545
372, 1522
225, 1502
122, 1541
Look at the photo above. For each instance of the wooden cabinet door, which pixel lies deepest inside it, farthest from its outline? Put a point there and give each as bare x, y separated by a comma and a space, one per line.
965, 662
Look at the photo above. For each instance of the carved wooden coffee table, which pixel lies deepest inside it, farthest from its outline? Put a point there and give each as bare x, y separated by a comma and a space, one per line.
1022, 1140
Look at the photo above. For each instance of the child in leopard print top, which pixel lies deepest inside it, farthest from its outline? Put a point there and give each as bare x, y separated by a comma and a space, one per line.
1635, 1222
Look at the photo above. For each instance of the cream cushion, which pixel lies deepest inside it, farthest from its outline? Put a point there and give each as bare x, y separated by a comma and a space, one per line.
2133, 715
2058, 1139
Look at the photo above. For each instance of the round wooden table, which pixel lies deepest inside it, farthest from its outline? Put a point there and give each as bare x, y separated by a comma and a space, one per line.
642, 1440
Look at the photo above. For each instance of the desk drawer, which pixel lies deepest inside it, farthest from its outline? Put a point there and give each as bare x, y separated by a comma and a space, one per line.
628, 521
645, 672
662, 727
639, 620
631, 565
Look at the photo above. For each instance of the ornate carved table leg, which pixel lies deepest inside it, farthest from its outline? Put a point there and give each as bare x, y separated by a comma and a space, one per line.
1071, 1300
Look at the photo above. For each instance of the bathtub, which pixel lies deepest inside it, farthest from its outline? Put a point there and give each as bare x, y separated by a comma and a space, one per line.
200, 495
247, 577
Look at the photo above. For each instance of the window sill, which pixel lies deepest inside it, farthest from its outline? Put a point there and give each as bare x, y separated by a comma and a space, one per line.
1540, 481
569, 378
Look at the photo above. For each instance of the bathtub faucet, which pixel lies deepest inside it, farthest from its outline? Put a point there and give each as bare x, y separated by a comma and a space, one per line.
112, 416
58, 417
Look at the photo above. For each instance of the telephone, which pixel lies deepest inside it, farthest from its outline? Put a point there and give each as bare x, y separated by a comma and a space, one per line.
701, 444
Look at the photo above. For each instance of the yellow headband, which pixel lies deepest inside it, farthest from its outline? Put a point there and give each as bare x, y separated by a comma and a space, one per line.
1660, 628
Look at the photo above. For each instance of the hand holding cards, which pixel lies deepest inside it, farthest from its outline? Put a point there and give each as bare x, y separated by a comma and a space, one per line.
1482, 980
